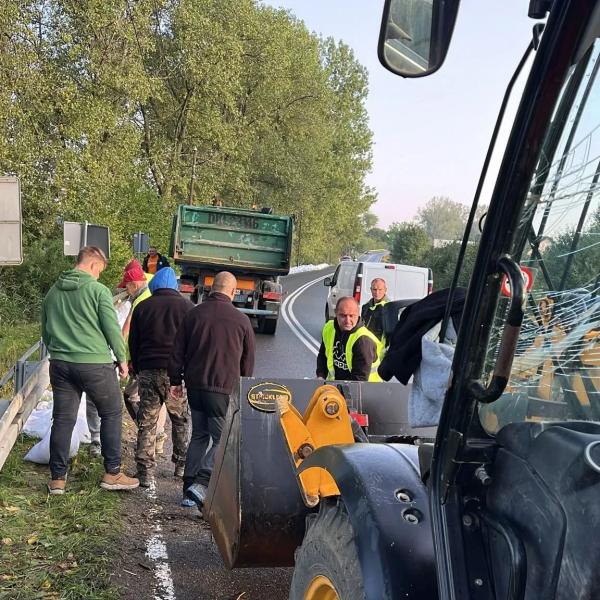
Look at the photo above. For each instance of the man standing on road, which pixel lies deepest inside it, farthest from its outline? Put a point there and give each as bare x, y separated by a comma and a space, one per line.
213, 348
79, 328
154, 262
154, 325
372, 311
349, 351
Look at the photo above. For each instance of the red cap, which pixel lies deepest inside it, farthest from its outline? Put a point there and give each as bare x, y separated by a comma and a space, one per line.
133, 272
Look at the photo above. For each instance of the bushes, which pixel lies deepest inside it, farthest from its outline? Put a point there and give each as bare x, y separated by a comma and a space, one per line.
23, 288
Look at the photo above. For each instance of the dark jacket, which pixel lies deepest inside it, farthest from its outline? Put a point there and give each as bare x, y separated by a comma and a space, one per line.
154, 324
403, 356
364, 354
162, 262
213, 348
372, 316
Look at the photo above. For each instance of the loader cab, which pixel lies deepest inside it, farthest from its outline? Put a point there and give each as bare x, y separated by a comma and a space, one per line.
515, 474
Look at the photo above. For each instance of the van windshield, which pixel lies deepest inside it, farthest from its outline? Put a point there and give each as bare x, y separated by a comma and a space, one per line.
556, 370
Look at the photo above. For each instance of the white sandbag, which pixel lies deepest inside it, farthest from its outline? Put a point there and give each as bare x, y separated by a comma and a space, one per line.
40, 419
40, 453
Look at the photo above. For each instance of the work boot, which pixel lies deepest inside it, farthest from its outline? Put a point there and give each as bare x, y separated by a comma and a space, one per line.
160, 442
146, 478
118, 481
197, 493
187, 502
56, 487
179, 469
95, 450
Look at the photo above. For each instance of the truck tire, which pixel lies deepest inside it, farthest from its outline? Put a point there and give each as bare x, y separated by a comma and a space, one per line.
268, 326
327, 561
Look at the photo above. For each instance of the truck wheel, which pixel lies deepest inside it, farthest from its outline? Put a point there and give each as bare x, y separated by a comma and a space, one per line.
327, 565
268, 326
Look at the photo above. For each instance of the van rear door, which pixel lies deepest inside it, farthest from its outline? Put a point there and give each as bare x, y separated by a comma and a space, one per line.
410, 282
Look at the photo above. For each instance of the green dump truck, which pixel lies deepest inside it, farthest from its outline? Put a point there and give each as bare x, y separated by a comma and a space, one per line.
252, 244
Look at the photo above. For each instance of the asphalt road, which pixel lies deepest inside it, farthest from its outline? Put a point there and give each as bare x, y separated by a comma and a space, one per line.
168, 552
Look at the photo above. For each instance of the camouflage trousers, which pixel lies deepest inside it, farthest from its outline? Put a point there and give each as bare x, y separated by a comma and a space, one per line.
154, 392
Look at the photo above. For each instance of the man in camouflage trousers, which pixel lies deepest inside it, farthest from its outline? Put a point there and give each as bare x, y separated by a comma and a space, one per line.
154, 324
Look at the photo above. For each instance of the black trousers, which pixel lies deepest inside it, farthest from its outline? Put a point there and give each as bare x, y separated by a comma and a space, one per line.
100, 383
208, 417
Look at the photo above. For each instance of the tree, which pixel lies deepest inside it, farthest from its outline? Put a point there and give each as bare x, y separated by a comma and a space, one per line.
105, 106
410, 244
443, 219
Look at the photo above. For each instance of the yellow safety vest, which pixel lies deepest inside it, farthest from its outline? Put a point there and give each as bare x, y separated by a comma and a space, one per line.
329, 340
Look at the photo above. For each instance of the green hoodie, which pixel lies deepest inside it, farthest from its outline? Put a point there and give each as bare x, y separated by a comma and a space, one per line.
79, 322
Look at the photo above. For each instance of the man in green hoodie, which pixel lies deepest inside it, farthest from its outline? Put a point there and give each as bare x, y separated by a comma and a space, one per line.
79, 328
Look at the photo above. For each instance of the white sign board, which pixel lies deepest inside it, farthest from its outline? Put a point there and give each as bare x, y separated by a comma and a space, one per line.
11, 246
73, 236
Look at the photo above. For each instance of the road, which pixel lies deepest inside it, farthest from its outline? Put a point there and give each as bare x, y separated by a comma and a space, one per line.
168, 552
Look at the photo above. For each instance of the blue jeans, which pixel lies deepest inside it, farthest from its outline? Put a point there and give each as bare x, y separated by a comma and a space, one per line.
208, 418
100, 383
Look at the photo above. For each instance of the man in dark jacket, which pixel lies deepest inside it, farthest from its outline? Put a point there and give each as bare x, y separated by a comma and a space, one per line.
80, 328
372, 311
349, 351
213, 348
154, 262
154, 325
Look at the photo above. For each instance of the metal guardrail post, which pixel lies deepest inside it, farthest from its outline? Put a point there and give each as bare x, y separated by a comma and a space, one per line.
19, 375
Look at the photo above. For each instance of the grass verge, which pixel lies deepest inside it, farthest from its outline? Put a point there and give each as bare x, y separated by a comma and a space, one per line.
56, 546
14, 341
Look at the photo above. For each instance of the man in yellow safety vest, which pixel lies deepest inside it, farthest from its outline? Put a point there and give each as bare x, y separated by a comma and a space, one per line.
349, 351
372, 311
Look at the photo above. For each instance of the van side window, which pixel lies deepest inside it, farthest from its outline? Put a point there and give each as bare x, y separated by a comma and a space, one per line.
335, 276
346, 278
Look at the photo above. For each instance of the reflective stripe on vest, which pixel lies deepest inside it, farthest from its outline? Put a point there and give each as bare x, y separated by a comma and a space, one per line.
329, 340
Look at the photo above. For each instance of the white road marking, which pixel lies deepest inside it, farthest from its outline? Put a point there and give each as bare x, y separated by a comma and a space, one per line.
311, 343
156, 551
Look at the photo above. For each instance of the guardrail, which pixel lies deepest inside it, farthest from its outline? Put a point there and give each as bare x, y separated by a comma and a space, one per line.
31, 379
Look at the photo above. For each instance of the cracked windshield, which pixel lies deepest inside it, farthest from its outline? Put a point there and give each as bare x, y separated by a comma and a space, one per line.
556, 370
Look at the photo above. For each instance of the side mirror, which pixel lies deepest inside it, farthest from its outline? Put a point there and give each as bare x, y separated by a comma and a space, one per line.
415, 35
327, 282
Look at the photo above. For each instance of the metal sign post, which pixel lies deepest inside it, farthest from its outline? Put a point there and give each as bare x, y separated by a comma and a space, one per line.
11, 242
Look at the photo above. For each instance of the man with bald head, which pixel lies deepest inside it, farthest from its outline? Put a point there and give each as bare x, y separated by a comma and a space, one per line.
349, 351
213, 347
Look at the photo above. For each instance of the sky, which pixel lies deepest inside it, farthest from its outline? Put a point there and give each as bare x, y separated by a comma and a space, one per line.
430, 134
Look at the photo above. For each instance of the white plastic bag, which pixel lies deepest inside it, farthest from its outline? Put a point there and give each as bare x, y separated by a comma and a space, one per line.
40, 453
39, 421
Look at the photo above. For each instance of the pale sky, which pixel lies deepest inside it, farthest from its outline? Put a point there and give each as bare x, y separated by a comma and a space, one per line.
430, 134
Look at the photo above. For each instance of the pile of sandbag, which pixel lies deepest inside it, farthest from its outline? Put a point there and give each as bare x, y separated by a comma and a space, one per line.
38, 426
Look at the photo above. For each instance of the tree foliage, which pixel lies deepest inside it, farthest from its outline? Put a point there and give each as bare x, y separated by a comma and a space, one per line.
443, 219
106, 106
410, 244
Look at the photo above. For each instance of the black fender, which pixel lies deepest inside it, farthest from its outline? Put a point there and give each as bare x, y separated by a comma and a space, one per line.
388, 506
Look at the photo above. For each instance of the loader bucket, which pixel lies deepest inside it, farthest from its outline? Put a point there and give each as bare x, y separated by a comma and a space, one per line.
253, 505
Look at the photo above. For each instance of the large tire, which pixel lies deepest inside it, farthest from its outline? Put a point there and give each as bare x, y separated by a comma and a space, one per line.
268, 326
328, 555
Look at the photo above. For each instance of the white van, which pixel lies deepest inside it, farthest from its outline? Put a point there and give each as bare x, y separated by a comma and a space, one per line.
353, 278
